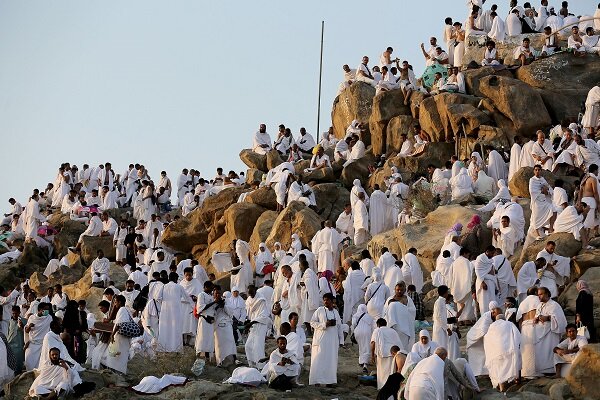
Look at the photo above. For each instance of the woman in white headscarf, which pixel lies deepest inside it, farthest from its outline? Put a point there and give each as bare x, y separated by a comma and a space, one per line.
296, 245
329, 141
484, 186
425, 346
461, 184
362, 327
278, 253
263, 258
356, 189
502, 196
475, 164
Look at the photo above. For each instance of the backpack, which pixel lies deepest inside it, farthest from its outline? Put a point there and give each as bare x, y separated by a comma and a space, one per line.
140, 301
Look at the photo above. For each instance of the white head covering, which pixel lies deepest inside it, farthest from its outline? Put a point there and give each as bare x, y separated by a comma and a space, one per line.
234, 289
478, 157
492, 305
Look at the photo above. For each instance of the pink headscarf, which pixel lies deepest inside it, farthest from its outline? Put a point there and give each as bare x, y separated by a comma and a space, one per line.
583, 286
327, 274
457, 227
475, 220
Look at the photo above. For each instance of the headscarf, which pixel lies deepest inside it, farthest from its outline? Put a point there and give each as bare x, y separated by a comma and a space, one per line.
582, 286
327, 274
424, 348
475, 220
457, 227
478, 157
493, 304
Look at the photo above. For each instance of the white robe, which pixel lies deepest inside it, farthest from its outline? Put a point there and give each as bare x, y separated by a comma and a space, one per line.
384, 338
378, 211
54, 378
502, 356
506, 277
257, 311
475, 343
515, 158
484, 270
570, 221
498, 30
362, 327
496, 166
460, 285
191, 288
440, 323
548, 335
175, 301
325, 344
426, 381
411, 263
375, 297
36, 338
353, 294
541, 204
528, 336
461, 184
401, 318
261, 139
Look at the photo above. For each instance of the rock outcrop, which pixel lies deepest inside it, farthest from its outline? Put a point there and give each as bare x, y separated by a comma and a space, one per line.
295, 218
355, 102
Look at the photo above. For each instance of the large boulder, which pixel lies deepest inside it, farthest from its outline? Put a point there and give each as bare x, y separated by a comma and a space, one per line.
264, 197
519, 184
273, 159
396, 127
430, 121
295, 218
32, 259
473, 76
254, 160
359, 169
69, 232
262, 228
562, 71
428, 236
355, 102
253, 175
435, 153
583, 376
468, 117
63, 276
492, 136
331, 198
447, 103
193, 229
518, 101
386, 106
321, 175
90, 246
240, 219
564, 105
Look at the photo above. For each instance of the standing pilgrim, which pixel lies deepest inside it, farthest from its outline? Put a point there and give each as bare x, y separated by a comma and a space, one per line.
328, 337
486, 283
542, 211
550, 324
382, 341
361, 220
441, 331
502, 356
259, 321
175, 301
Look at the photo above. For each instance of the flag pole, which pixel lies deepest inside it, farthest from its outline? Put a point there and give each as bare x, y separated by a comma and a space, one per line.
320, 79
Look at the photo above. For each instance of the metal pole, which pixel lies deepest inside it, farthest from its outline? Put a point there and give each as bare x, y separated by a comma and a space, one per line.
320, 78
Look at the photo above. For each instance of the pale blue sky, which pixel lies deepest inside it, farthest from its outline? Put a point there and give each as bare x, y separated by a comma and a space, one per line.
175, 84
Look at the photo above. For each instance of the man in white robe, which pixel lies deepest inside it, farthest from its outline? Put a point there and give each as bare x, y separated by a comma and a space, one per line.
502, 357
345, 223
305, 141
259, 322
486, 282
461, 184
261, 143
507, 284
378, 210
476, 338
283, 362
566, 351
401, 317
100, 268
53, 340
571, 220
441, 330
56, 377
361, 221
515, 157
556, 271
587, 153
94, 228
505, 237
38, 325
543, 152
498, 30
205, 309
460, 285
550, 324
542, 211
192, 287
309, 292
32, 218
151, 315
327, 250
426, 381
328, 337
353, 294
382, 340
513, 23
411, 270
175, 302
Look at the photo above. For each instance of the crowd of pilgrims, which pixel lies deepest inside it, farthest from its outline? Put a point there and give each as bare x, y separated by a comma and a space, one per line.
305, 296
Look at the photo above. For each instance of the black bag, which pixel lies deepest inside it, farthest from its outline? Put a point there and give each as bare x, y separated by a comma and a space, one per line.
130, 329
140, 301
